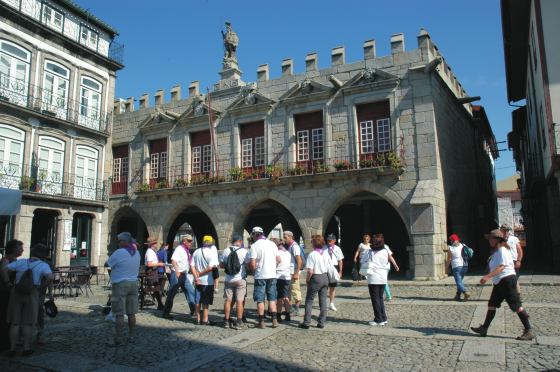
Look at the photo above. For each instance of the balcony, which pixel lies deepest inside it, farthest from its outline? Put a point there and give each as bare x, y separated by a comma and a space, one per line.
52, 184
20, 93
342, 160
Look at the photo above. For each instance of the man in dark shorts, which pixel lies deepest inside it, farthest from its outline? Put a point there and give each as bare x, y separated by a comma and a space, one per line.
203, 261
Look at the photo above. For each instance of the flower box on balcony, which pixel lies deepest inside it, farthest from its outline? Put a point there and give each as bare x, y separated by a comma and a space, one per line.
342, 165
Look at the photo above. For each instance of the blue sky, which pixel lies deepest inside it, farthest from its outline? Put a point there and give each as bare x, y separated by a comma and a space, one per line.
170, 42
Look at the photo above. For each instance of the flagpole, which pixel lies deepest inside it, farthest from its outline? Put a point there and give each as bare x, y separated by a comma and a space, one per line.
212, 132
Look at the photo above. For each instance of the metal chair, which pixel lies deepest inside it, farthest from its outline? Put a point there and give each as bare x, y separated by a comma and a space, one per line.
82, 280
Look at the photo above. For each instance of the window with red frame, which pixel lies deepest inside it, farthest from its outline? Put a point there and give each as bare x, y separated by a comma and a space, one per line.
374, 128
120, 170
252, 145
310, 139
158, 161
201, 144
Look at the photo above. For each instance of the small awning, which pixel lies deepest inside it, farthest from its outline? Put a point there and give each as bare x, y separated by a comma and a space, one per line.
10, 201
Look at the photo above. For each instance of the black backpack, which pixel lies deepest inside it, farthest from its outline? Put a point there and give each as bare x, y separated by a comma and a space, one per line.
26, 284
233, 266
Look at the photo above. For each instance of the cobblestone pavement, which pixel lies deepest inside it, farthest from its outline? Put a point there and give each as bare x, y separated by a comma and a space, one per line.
426, 331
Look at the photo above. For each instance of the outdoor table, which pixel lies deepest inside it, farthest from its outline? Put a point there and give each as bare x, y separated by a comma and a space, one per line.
70, 276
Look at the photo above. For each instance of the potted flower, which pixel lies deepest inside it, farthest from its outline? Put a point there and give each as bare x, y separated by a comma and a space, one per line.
199, 180
236, 173
319, 168
216, 179
180, 182
342, 165
143, 187
163, 184
274, 172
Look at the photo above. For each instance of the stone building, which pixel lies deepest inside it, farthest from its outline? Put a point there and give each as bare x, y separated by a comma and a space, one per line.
58, 66
386, 145
532, 53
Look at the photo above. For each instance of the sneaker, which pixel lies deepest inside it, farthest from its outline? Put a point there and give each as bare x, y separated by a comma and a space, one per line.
115, 343
111, 318
239, 326
481, 330
466, 296
375, 324
303, 326
320, 326
457, 297
384, 322
388, 299
332, 307
295, 312
527, 335
287, 316
275, 323
131, 340
260, 324
208, 323
216, 290
226, 325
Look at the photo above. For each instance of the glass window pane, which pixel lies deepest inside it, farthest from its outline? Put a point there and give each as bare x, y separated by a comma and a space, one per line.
2, 148
87, 152
15, 51
92, 84
15, 152
57, 69
5, 63
11, 133
51, 143
21, 71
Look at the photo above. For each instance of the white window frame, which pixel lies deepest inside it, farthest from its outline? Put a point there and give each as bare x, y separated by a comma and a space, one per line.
366, 137
89, 112
9, 80
247, 152
91, 39
303, 145
196, 153
52, 182
117, 164
207, 158
11, 171
51, 100
163, 164
318, 143
384, 135
84, 188
48, 18
154, 165
259, 151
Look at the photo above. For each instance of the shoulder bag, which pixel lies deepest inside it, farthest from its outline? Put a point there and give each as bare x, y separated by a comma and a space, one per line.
367, 267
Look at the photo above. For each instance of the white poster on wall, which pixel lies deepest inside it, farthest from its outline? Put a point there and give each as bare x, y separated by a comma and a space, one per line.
67, 235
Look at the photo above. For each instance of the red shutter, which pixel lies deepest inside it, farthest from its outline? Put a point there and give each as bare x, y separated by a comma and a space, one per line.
159, 145
120, 187
252, 130
120, 152
309, 121
200, 138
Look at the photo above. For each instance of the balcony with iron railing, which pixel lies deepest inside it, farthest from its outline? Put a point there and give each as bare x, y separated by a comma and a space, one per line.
342, 158
48, 183
21, 93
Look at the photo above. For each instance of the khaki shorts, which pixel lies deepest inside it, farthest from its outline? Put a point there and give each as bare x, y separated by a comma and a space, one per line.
23, 308
124, 299
237, 290
295, 291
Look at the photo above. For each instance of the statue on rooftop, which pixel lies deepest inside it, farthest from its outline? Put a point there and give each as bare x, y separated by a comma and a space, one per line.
230, 42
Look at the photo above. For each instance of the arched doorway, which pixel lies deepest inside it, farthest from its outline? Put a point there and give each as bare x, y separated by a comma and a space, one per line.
44, 228
127, 220
268, 215
192, 220
366, 213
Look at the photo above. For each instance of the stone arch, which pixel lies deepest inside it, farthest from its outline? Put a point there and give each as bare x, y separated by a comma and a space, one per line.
138, 232
180, 205
343, 193
241, 213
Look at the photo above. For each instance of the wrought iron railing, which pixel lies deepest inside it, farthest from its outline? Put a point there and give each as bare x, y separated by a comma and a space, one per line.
116, 52
21, 93
44, 181
342, 158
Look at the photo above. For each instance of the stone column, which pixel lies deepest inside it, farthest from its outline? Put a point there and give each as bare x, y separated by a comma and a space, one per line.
24, 223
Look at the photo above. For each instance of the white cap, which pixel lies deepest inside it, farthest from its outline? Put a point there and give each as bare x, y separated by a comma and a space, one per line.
257, 229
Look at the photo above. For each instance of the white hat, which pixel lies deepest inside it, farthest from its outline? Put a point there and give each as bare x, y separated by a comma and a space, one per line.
257, 229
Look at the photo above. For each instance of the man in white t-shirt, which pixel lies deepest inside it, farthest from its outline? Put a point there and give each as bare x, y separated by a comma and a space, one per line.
516, 251
283, 281
152, 280
23, 308
296, 264
336, 256
235, 284
181, 261
264, 259
203, 261
124, 264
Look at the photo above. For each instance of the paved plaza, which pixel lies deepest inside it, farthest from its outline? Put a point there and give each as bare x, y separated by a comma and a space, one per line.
426, 331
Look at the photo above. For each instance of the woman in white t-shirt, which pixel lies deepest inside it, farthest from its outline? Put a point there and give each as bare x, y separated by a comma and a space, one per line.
317, 282
362, 249
501, 269
458, 265
283, 277
378, 257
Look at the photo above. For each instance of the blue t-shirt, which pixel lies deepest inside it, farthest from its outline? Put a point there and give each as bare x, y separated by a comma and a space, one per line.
162, 257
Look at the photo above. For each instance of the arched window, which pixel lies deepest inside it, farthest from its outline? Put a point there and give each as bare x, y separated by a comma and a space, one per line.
11, 156
90, 104
14, 72
51, 165
85, 183
55, 89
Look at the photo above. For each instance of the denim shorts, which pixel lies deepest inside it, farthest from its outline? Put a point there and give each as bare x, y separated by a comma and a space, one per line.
204, 294
265, 286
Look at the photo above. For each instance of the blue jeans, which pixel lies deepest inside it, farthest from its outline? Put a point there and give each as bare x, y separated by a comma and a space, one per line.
459, 274
174, 286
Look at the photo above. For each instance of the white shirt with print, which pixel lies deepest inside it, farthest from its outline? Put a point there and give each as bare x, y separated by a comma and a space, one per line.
202, 259
501, 257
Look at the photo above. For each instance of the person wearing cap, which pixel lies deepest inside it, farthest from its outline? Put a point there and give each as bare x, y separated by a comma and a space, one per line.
296, 265
336, 256
283, 281
501, 270
204, 261
152, 279
264, 259
23, 308
181, 261
235, 288
516, 251
317, 282
458, 265
124, 264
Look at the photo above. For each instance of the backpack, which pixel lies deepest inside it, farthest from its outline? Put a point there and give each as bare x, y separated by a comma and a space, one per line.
302, 255
233, 266
467, 253
26, 284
